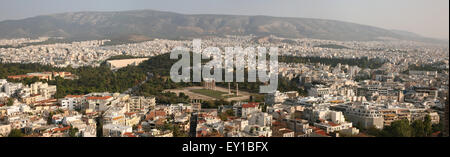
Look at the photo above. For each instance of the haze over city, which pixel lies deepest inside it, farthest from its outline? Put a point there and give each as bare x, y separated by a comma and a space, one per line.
429, 19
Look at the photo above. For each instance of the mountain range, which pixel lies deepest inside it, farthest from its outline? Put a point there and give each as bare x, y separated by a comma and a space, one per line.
169, 25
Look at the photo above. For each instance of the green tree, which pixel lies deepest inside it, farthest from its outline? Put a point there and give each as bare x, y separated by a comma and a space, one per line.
400, 128
73, 131
438, 127
99, 123
428, 126
230, 112
182, 95
373, 131
10, 102
177, 132
50, 118
263, 107
208, 104
223, 117
418, 128
16, 133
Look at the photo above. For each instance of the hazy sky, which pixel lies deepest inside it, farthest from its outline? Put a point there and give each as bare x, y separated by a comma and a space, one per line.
425, 17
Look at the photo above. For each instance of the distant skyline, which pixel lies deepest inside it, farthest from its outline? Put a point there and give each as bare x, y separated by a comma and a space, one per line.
423, 17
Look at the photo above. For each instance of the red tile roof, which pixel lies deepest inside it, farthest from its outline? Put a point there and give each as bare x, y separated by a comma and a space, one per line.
98, 98
129, 134
435, 134
276, 123
333, 124
285, 130
117, 118
27, 76
19, 76
33, 95
250, 105
314, 128
321, 132
152, 114
61, 129
130, 113
73, 96
46, 101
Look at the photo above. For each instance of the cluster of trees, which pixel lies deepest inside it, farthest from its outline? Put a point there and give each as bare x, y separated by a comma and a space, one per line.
285, 85
403, 128
159, 67
99, 79
16, 133
8, 69
427, 67
224, 115
102, 79
10, 102
156, 86
373, 63
27, 81
91, 79
175, 128
178, 132
99, 122
263, 107
73, 132
215, 103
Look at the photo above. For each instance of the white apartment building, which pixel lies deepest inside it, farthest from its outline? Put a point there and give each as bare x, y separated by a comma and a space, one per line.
319, 90
12, 88
276, 97
140, 103
242, 109
332, 127
4, 130
260, 119
114, 130
71, 103
90, 131
43, 88
364, 116
98, 103
2, 83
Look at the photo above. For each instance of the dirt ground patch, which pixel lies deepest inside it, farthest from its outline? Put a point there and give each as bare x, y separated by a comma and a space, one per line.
213, 96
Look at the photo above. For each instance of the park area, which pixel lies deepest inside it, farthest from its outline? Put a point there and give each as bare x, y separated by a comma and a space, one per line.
198, 92
211, 93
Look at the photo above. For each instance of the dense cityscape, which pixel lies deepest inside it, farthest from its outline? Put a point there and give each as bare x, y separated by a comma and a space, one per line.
328, 88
